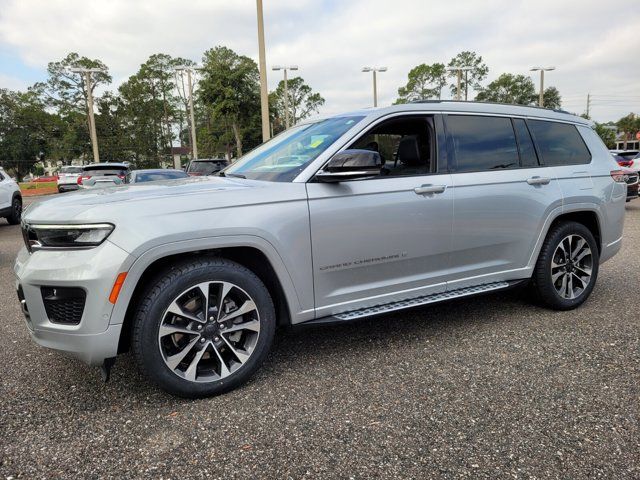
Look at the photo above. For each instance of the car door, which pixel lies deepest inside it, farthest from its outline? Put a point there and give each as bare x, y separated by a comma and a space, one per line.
6, 191
384, 239
502, 198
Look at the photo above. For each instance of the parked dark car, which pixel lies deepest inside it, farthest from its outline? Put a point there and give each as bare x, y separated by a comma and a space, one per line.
206, 166
631, 178
153, 175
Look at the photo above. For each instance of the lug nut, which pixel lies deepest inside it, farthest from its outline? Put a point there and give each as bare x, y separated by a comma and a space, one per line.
199, 327
217, 338
211, 319
202, 340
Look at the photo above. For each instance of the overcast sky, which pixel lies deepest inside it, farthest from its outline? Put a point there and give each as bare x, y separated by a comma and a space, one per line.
595, 45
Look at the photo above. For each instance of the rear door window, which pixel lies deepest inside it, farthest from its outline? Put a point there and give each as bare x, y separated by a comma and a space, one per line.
482, 143
559, 143
528, 157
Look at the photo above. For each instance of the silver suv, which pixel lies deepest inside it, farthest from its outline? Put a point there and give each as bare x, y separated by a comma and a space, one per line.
333, 220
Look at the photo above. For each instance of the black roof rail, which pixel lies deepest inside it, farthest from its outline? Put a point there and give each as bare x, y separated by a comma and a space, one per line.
557, 110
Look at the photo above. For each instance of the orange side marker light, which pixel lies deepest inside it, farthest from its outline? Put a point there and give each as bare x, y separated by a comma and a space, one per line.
117, 286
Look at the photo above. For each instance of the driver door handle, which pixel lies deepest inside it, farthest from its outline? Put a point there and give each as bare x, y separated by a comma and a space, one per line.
538, 180
429, 189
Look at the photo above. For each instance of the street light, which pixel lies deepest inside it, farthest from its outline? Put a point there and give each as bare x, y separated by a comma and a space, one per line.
92, 122
542, 70
375, 70
262, 62
189, 70
286, 90
459, 71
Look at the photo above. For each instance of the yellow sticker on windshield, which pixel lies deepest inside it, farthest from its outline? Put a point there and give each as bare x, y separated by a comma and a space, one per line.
317, 143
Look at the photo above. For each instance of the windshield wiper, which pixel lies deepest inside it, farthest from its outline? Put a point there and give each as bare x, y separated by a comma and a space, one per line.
503, 165
237, 175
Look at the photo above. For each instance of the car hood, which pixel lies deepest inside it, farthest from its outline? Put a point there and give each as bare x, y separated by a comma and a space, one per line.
169, 196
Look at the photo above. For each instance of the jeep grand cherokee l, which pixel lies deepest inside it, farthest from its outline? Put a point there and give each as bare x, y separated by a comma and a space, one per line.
332, 220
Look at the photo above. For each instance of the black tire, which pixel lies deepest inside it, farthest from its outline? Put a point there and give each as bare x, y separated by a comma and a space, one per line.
542, 281
168, 286
16, 211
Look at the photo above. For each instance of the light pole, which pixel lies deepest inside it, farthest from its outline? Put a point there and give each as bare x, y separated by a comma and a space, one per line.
264, 96
194, 143
375, 70
542, 70
92, 121
286, 90
459, 71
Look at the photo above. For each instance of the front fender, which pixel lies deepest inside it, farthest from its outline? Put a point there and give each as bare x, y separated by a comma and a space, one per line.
296, 309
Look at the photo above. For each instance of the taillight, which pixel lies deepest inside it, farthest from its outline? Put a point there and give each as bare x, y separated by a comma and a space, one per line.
619, 176
625, 163
82, 178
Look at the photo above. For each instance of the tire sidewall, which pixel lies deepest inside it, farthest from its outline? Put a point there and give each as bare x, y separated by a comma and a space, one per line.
547, 290
148, 323
15, 204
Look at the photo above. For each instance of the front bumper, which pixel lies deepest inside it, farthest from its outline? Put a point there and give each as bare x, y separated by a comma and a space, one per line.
94, 270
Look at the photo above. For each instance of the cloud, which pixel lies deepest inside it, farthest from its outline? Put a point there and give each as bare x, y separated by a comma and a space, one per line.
592, 44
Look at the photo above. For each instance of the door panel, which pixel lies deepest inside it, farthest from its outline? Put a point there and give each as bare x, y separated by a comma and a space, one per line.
498, 218
6, 193
377, 241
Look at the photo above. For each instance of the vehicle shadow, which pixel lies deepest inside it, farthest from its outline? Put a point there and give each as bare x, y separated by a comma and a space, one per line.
295, 348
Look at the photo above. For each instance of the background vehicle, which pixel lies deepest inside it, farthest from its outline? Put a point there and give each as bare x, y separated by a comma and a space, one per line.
332, 220
45, 179
153, 175
102, 175
10, 198
631, 178
206, 166
627, 158
68, 177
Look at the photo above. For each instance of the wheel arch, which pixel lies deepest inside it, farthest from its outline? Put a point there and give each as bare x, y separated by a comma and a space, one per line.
588, 217
257, 258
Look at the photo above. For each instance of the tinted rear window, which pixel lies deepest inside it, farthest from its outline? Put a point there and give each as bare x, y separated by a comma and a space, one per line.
155, 176
71, 170
207, 167
104, 171
483, 143
559, 143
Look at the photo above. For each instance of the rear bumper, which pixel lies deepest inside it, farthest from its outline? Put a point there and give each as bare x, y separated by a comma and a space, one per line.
68, 186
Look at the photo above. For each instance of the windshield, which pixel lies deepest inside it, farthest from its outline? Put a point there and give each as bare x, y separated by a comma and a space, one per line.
71, 170
154, 176
206, 167
282, 158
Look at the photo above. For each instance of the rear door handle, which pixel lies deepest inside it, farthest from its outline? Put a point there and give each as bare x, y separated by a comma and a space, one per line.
538, 180
427, 189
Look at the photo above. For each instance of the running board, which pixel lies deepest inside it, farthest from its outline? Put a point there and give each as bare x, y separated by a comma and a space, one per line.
413, 302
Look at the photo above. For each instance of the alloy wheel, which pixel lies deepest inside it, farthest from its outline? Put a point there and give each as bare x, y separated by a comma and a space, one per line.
209, 331
571, 266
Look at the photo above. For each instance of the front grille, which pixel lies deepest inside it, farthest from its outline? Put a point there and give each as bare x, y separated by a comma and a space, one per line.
64, 304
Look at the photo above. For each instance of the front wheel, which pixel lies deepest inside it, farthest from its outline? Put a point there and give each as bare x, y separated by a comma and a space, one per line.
203, 327
567, 266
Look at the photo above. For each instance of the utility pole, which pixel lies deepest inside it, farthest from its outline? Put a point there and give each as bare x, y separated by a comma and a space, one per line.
375, 70
542, 70
588, 103
264, 96
92, 122
459, 71
194, 143
286, 90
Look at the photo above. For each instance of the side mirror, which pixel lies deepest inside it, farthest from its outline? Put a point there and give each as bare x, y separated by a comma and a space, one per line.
351, 165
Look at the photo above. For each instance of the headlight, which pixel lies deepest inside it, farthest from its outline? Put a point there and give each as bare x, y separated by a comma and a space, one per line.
65, 236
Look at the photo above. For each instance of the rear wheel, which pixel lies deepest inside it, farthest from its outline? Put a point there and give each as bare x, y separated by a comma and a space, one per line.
567, 266
16, 211
203, 328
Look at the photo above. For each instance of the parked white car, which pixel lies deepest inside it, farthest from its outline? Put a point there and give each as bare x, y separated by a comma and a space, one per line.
10, 198
627, 158
68, 178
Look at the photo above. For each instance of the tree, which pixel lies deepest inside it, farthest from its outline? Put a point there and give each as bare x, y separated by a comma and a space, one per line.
629, 125
509, 88
28, 132
607, 134
424, 81
551, 98
303, 101
470, 78
229, 87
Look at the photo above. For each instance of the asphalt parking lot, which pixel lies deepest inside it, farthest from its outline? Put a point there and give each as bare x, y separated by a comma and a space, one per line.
489, 387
